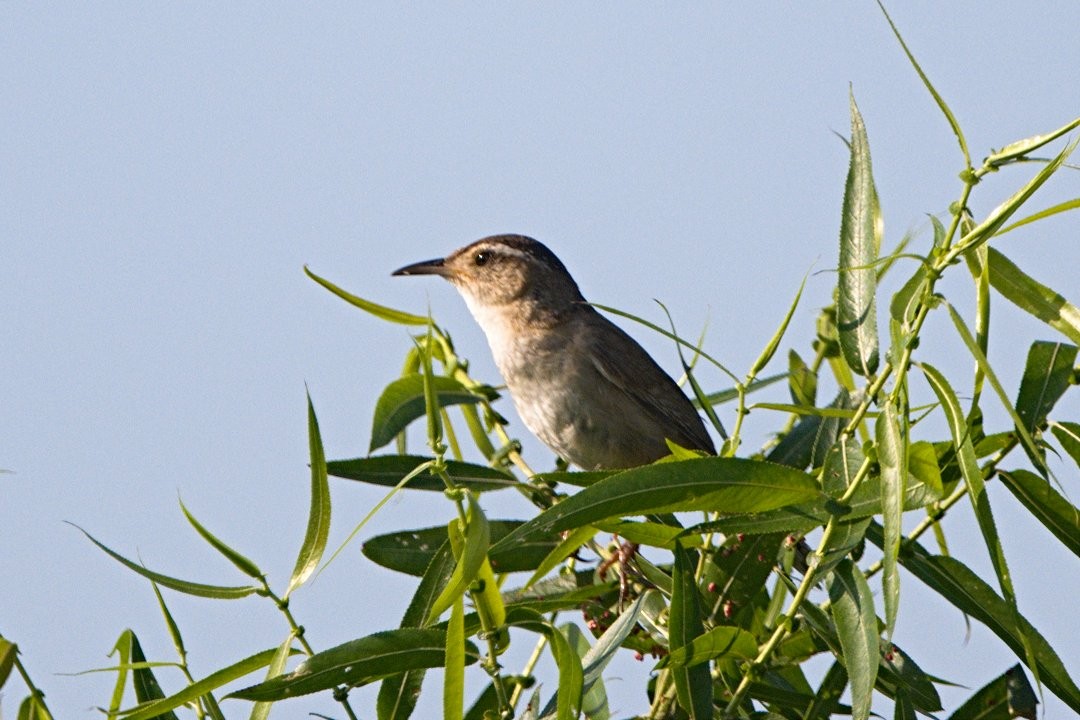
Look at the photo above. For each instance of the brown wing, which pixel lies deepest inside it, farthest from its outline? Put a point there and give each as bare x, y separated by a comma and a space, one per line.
630, 369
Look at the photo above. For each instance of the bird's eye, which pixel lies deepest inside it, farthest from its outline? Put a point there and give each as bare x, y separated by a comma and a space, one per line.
481, 258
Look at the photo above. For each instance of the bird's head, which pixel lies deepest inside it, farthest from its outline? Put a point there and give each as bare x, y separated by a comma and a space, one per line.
503, 270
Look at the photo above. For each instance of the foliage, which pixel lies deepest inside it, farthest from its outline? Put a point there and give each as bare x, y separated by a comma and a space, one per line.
724, 614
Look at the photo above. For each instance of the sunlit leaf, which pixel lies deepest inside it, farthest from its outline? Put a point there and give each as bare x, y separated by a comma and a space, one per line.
402, 401
856, 625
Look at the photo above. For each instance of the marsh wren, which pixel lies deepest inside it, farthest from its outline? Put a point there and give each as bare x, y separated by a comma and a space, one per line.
580, 384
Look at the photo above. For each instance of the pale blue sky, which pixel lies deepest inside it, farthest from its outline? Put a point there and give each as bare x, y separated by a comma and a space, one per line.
169, 168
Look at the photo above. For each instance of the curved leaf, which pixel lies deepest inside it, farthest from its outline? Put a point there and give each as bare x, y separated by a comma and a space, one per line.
402, 401
318, 528
470, 548
693, 682
358, 662
1047, 375
379, 311
1060, 516
1033, 297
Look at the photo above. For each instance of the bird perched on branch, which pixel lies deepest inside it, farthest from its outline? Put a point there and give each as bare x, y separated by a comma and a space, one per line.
580, 384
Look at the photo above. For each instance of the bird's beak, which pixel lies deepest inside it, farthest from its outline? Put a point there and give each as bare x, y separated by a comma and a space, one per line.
427, 267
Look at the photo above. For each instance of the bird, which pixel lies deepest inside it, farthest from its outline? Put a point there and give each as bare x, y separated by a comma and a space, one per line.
583, 386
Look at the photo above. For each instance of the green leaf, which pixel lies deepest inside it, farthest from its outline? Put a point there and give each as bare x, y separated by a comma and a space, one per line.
568, 546
245, 565
802, 381
856, 311
402, 401
1048, 212
607, 645
723, 641
410, 551
1020, 148
380, 311
930, 87
1047, 375
358, 662
969, 593
594, 701
1068, 434
736, 573
1033, 297
980, 501
693, 682
454, 677
8, 651
474, 546
219, 592
162, 706
146, 686
1059, 515
318, 528
388, 470
571, 674
398, 694
261, 710
898, 675
562, 592
923, 466
712, 483
856, 624
827, 699
1006, 697
892, 458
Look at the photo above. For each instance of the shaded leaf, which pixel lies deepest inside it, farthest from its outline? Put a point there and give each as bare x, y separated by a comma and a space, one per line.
693, 682
1060, 516
402, 401
388, 470
959, 585
1068, 434
1047, 375
410, 551
1008, 696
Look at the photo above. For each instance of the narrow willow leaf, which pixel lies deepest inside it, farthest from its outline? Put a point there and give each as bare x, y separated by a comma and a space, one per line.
594, 701
774, 342
261, 710
454, 677
219, 592
802, 381
723, 396
923, 466
245, 565
856, 303
571, 674
988, 372
8, 651
1047, 375
562, 591
470, 549
856, 624
162, 707
410, 551
1020, 148
358, 662
997, 217
402, 401
380, 311
1033, 297
976, 490
969, 593
929, 86
1048, 212
170, 622
736, 574
318, 528
1060, 516
693, 684
892, 458
607, 645
1068, 434
827, 698
724, 641
388, 470
398, 693
712, 483
147, 689
899, 675
991, 702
